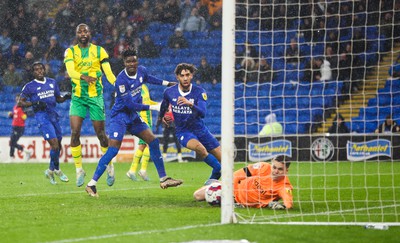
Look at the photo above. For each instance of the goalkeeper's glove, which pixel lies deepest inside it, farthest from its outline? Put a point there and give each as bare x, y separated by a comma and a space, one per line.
155, 107
67, 95
39, 106
276, 205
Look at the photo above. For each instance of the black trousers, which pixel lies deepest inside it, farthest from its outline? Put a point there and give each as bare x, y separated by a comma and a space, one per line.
16, 133
166, 133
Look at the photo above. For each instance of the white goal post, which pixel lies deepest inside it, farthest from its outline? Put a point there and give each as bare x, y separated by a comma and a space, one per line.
338, 179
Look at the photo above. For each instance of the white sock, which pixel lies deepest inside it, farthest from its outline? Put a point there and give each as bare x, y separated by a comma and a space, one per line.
92, 182
79, 170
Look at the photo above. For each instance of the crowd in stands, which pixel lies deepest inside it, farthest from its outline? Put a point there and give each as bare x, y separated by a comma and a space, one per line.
29, 34
320, 40
339, 33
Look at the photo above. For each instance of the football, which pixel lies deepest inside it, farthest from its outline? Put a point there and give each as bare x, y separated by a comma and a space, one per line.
213, 194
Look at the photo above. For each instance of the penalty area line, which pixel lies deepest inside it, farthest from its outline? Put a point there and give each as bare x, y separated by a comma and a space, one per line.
108, 236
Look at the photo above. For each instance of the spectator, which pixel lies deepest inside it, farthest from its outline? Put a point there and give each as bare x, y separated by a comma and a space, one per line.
109, 26
137, 19
194, 22
11, 76
172, 12
158, 12
119, 48
388, 126
15, 55
3, 65
319, 71
64, 21
41, 25
5, 41
146, 12
338, 125
123, 21
247, 69
35, 47
48, 71
333, 60
271, 127
27, 66
344, 72
186, 9
394, 70
148, 49
18, 116
177, 40
130, 35
54, 51
205, 73
215, 21
292, 52
264, 70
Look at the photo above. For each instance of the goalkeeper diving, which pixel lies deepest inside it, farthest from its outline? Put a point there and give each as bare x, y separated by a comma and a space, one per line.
260, 185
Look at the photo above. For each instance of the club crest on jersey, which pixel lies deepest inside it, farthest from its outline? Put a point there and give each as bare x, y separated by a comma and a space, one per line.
51, 86
141, 79
204, 96
121, 88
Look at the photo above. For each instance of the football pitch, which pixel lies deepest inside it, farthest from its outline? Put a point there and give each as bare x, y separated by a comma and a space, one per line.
33, 210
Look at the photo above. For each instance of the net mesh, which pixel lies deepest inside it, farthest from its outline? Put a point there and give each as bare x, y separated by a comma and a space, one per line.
327, 71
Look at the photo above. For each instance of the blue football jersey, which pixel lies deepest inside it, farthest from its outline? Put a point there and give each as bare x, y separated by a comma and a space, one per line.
45, 91
186, 117
131, 86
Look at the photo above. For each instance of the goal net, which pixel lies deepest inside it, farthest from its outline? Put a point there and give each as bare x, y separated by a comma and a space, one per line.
322, 76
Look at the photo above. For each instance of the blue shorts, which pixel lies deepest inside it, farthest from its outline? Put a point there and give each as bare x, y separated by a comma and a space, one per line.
202, 135
123, 122
49, 126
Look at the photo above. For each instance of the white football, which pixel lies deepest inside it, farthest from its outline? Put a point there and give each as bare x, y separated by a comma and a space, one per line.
213, 194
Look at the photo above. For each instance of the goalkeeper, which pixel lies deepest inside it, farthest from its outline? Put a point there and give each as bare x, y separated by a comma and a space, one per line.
260, 185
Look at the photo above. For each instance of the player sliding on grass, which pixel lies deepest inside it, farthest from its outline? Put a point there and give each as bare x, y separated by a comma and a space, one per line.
260, 185
42, 94
125, 117
189, 107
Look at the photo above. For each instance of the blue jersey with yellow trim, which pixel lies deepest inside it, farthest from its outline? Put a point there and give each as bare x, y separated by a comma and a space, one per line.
132, 86
187, 118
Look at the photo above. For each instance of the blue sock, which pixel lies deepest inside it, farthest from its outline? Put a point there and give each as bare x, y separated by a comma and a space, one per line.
155, 155
104, 161
214, 163
54, 159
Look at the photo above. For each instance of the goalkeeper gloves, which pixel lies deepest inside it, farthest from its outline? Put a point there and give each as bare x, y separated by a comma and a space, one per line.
276, 205
39, 106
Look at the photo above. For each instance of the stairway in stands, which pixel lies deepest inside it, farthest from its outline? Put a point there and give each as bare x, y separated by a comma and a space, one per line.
374, 81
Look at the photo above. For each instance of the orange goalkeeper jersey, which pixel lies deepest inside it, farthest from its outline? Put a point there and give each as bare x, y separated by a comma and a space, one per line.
256, 187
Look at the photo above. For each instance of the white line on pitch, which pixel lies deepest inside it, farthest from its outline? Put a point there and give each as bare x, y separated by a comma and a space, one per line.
98, 237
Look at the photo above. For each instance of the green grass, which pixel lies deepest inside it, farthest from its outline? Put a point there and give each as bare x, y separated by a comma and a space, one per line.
33, 210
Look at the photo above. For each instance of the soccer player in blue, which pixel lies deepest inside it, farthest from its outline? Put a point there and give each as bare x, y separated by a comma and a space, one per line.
125, 117
42, 94
189, 107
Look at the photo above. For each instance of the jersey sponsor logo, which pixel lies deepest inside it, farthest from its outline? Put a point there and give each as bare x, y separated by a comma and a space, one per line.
257, 166
269, 150
204, 96
322, 149
369, 149
121, 88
